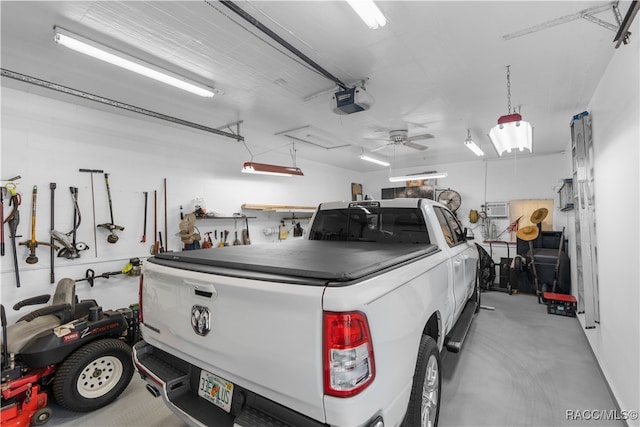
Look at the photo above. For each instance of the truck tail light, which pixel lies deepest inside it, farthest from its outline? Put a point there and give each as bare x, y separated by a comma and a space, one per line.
140, 298
348, 353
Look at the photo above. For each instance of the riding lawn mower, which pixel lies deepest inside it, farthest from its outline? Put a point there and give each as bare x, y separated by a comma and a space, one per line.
71, 348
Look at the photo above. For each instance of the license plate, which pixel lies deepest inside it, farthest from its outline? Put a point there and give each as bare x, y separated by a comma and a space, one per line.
215, 390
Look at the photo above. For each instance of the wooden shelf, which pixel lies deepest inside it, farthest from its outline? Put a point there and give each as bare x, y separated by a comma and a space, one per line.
279, 208
225, 217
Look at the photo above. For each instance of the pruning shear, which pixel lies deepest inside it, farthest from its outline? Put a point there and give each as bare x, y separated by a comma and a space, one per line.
16, 200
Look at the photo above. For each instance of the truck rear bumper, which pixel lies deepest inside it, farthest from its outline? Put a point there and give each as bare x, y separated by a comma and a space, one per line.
177, 382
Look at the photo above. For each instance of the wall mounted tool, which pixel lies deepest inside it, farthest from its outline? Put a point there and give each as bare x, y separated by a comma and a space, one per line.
52, 187
155, 249
112, 227
144, 231
93, 203
71, 248
13, 219
2, 218
33, 243
166, 234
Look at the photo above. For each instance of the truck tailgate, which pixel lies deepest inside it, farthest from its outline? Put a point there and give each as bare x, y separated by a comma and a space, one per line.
264, 336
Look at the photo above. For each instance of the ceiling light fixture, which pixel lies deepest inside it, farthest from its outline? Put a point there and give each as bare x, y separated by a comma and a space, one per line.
471, 145
268, 169
112, 56
369, 13
511, 131
426, 175
376, 160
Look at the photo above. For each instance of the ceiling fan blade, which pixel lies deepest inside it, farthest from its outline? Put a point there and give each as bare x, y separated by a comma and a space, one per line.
419, 137
415, 146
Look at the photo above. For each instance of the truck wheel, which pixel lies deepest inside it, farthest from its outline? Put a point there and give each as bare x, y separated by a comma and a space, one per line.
424, 403
94, 375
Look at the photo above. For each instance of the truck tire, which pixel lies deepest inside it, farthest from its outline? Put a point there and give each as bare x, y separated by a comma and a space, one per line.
424, 403
94, 375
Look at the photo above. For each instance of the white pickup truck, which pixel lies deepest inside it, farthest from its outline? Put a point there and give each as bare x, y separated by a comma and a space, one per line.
341, 328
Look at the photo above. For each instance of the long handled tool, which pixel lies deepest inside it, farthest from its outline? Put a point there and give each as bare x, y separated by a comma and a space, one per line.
2, 218
112, 227
71, 249
236, 241
556, 270
161, 249
144, 231
155, 248
166, 234
246, 240
52, 186
33, 243
93, 202
13, 219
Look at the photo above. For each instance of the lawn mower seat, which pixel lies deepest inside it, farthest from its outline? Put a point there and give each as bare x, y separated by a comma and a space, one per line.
61, 311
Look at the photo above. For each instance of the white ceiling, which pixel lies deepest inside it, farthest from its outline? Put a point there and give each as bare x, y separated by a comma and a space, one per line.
436, 67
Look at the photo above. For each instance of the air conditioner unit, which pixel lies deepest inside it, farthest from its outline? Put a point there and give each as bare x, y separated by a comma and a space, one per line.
351, 100
497, 210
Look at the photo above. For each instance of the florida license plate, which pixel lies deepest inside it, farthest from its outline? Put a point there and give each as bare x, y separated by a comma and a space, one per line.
216, 390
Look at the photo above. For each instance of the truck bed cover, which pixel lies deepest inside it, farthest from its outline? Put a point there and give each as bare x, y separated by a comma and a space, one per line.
312, 259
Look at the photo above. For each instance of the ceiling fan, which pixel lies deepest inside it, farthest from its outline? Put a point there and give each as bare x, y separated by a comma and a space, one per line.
401, 137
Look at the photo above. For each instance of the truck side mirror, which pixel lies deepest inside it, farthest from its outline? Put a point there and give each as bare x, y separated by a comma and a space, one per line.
468, 234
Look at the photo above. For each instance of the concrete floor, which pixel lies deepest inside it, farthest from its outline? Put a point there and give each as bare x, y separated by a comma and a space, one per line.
519, 367
522, 367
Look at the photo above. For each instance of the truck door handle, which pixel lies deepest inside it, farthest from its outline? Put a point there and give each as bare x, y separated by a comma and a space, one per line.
201, 293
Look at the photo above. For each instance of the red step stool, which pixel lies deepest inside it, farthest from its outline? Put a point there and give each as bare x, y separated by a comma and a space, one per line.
561, 304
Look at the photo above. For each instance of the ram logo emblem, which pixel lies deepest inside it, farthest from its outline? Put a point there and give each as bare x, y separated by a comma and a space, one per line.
200, 320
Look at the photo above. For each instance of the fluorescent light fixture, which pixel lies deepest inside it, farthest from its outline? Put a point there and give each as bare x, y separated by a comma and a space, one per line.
429, 175
112, 56
266, 169
375, 160
510, 133
369, 13
471, 145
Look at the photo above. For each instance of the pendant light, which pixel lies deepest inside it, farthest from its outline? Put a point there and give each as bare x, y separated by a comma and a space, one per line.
511, 132
269, 169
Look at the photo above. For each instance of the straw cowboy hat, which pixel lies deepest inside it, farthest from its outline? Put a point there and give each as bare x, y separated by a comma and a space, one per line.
528, 233
539, 215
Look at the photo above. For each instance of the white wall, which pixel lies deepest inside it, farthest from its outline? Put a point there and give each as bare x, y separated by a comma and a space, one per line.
616, 135
46, 140
518, 177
